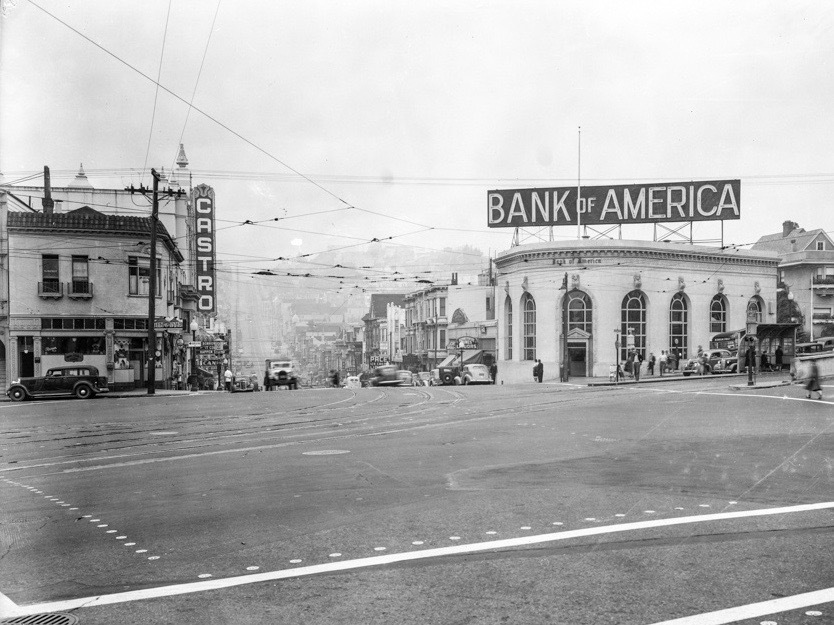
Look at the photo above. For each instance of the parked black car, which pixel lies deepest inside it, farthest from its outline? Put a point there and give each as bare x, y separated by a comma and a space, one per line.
449, 375
81, 381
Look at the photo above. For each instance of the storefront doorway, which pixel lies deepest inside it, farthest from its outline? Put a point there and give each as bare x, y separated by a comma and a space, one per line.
579, 353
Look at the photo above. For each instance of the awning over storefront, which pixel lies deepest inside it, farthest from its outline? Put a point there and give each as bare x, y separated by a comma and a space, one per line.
472, 356
449, 361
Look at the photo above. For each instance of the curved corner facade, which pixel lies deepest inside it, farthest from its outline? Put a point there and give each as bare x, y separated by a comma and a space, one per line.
595, 298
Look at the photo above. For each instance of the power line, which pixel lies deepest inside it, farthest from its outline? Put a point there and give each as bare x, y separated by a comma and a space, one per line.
156, 91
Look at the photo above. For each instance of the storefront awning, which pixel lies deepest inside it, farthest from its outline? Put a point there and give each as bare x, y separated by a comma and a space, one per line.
472, 356
449, 361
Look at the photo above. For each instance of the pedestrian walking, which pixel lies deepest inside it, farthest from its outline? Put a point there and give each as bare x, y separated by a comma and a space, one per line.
493, 372
539, 370
227, 376
813, 384
650, 366
778, 355
638, 364
662, 363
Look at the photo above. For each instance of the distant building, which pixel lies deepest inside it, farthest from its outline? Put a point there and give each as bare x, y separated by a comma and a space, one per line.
439, 316
375, 347
806, 272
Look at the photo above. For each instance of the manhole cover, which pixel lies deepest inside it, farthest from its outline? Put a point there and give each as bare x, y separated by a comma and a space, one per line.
55, 618
325, 452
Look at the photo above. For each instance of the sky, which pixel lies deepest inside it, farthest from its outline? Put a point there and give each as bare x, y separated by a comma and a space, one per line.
390, 120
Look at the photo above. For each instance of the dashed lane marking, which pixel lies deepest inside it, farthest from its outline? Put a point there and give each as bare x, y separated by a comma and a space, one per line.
9, 609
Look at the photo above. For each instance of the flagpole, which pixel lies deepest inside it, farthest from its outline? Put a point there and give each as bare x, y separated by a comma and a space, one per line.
578, 182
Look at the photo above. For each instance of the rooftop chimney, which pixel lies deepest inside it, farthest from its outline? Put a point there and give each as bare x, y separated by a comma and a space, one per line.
788, 227
47, 202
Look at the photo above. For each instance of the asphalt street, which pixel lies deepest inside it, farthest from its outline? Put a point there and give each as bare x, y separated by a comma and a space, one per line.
549, 503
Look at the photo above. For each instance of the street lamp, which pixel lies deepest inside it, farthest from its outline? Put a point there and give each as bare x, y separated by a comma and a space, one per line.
194, 326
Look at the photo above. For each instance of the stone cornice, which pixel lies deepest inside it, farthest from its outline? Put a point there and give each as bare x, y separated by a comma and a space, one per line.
539, 254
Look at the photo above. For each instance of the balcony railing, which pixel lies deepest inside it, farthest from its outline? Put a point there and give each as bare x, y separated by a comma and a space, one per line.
50, 289
80, 289
824, 280
823, 318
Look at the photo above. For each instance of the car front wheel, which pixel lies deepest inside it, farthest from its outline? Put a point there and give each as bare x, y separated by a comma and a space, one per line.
84, 392
17, 394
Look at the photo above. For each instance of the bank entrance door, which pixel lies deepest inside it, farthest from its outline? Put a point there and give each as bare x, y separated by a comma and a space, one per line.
578, 358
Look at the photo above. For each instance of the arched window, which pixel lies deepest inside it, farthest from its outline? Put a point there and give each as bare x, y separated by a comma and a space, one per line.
633, 319
579, 312
755, 309
718, 314
508, 328
528, 305
679, 325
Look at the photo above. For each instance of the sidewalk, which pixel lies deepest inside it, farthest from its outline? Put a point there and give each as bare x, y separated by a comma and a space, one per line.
763, 380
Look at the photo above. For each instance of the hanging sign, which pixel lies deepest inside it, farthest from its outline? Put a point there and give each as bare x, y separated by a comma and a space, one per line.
204, 247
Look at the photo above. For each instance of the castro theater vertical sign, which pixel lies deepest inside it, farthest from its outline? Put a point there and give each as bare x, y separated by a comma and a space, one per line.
204, 248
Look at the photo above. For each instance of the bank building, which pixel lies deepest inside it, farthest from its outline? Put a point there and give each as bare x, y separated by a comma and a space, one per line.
580, 304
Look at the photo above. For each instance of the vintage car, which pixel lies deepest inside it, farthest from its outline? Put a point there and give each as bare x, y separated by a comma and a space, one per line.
406, 377
804, 349
449, 375
435, 378
82, 381
711, 359
727, 364
386, 375
243, 384
422, 379
475, 374
353, 381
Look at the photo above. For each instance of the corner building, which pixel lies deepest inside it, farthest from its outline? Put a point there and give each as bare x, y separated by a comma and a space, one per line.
669, 296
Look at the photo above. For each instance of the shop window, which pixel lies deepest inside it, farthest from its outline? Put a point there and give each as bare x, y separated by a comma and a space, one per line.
58, 345
633, 320
718, 314
580, 312
508, 328
528, 307
679, 325
72, 323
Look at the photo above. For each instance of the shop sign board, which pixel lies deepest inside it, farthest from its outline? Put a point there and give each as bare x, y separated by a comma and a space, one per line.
464, 342
204, 247
712, 200
172, 326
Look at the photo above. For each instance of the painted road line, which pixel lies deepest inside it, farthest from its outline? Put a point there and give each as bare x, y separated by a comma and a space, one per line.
330, 567
755, 610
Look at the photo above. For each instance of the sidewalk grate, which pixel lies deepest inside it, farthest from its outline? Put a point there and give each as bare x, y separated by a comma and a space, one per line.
53, 618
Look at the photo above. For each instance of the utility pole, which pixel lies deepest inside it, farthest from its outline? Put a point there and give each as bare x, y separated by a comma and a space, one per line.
152, 286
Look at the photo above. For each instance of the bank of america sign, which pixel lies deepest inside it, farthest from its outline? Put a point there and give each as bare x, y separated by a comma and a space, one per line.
614, 204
